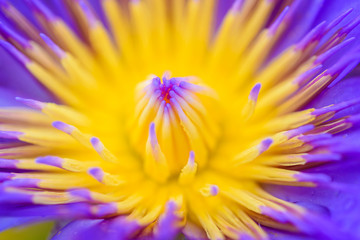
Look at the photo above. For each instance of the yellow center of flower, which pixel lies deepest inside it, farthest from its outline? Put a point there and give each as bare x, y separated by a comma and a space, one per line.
171, 119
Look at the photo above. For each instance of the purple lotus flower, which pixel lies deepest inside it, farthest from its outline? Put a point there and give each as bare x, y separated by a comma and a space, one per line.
155, 119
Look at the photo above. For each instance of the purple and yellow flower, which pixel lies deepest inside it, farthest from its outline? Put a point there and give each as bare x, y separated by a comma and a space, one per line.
182, 118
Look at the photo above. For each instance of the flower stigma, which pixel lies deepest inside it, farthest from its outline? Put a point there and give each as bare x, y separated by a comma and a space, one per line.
171, 119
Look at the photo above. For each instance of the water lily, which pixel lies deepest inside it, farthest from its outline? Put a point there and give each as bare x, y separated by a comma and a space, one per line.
190, 119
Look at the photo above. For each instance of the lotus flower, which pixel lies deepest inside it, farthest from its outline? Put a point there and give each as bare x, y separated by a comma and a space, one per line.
195, 119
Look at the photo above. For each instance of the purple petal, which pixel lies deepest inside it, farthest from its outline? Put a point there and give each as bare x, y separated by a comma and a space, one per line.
340, 203
11, 222
19, 81
111, 229
335, 94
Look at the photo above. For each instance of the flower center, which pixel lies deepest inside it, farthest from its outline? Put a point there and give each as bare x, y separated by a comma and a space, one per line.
171, 119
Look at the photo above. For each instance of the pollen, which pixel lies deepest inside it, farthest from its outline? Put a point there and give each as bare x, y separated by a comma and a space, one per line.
169, 122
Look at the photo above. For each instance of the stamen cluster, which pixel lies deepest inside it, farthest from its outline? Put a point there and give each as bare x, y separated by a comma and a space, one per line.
150, 157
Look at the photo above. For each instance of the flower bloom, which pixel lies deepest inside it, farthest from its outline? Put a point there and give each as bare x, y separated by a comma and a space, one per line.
167, 119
